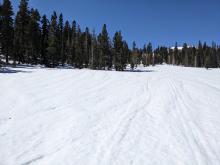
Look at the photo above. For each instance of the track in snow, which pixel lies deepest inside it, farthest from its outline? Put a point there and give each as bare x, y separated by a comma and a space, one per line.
169, 115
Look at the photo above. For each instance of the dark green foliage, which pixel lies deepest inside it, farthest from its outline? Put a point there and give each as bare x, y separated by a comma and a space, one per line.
66, 42
218, 57
150, 59
60, 44
184, 60
52, 50
6, 30
0, 32
86, 37
21, 37
95, 53
158, 56
200, 61
118, 52
175, 56
34, 37
44, 40
78, 48
125, 54
106, 58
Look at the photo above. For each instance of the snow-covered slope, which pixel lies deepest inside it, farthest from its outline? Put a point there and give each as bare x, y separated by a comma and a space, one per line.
163, 115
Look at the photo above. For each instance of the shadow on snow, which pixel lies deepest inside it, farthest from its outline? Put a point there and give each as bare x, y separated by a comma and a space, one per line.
9, 71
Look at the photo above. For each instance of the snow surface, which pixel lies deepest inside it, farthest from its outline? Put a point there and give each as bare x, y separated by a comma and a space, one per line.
163, 115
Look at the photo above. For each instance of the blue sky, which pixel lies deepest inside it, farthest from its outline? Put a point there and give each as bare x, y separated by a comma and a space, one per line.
162, 22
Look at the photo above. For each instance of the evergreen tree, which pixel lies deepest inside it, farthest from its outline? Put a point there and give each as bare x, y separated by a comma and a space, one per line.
218, 57
0, 32
158, 59
34, 35
144, 56
105, 49
21, 32
175, 55
134, 56
150, 59
164, 54
52, 51
86, 47
213, 59
118, 51
100, 52
66, 42
125, 54
200, 55
170, 56
78, 48
94, 64
6, 29
44, 40
184, 59
60, 46
74, 45
91, 57
207, 55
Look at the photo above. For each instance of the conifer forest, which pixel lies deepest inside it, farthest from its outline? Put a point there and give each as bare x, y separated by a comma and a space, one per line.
32, 38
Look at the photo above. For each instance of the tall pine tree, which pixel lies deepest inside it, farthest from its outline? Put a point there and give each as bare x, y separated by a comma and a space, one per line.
34, 36
105, 49
66, 42
0, 32
21, 32
44, 40
60, 40
74, 54
150, 59
52, 50
118, 51
7, 29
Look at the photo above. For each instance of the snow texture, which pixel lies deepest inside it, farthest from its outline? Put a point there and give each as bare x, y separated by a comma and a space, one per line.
163, 115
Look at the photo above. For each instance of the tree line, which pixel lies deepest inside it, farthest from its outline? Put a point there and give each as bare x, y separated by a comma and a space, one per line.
34, 39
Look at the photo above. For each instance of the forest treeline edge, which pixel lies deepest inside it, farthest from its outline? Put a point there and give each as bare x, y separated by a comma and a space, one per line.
27, 37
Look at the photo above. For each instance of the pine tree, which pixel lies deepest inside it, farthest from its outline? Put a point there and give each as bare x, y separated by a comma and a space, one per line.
150, 59
66, 42
78, 48
21, 32
118, 51
175, 55
93, 47
144, 56
125, 54
213, 59
0, 32
86, 47
218, 57
34, 35
7, 29
52, 51
158, 59
44, 40
73, 45
134, 56
60, 43
184, 59
95, 52
207, 55
200, 55
105, 49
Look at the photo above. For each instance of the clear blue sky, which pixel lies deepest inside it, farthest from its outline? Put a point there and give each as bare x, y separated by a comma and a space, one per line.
161, 22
